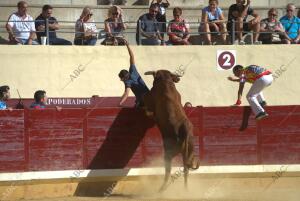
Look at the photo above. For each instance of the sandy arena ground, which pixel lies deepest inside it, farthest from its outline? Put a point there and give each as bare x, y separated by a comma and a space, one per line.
202, 189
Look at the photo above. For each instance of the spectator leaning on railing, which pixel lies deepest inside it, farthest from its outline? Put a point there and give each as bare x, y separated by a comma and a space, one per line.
40, 99
20, 26
40, 25
271, 30
114, 27
85, 28
291, 24
147, 28
178, 29
239, 13
161, 15
213, 20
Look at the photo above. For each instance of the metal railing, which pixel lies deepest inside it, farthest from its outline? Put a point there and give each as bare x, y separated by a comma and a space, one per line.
198, 24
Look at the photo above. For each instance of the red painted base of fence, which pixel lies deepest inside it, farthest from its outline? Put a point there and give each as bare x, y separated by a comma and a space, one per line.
108, 138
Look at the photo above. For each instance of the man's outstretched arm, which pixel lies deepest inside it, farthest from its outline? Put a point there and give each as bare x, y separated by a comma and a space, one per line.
132, 62
124, 96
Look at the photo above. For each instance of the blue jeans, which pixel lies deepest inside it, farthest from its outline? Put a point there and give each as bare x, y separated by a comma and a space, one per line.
80, 41
149, 41
25, 41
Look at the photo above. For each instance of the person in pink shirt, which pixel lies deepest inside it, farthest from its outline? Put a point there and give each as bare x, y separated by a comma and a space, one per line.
178, 29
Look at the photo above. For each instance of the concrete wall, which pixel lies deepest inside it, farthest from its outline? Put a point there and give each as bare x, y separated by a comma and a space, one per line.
52, 68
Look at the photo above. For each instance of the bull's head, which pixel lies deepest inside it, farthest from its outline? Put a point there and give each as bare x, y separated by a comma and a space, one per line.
164, 75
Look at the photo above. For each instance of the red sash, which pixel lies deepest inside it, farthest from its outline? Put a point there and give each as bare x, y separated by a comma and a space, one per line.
267, 72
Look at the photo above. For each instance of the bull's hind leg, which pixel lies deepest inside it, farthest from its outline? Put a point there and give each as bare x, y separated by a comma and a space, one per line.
188, 146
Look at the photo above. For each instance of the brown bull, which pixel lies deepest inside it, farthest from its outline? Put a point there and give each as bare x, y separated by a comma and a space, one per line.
177, 131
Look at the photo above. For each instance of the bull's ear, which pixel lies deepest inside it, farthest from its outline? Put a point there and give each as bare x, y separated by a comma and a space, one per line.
150, 73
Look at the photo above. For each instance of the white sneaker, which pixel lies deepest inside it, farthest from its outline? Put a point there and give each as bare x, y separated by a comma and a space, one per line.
242, 42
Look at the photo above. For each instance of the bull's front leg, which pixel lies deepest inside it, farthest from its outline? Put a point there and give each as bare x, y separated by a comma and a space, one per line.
167, 173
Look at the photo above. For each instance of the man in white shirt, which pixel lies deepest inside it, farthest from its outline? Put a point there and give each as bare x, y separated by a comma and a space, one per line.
20, 26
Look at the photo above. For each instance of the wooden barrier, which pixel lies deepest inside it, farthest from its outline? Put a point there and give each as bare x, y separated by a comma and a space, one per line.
116, 138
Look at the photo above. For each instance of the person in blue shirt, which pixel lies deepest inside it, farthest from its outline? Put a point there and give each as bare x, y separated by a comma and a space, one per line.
132, 81
213, 20
291, 24
4, 96
40, 26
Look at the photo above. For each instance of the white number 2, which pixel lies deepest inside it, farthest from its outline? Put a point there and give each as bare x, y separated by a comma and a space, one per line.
227, 62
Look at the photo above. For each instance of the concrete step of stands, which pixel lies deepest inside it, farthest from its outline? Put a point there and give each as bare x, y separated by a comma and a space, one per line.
181, 3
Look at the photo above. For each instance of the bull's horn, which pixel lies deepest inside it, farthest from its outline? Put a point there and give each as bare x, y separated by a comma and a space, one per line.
176, 74
150, 73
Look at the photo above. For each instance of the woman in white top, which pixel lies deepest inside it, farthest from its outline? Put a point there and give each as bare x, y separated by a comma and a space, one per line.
213, 21
85, 29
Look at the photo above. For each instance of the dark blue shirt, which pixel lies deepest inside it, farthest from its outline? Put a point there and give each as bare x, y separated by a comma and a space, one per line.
42, 21
136, 84
235, 8
38, 106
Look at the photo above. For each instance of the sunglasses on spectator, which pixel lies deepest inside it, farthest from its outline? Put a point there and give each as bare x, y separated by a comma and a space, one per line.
289, 10
272, 14
90, 15
115, 13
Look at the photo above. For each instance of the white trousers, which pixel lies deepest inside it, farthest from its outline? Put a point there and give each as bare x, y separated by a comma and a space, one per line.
255, 95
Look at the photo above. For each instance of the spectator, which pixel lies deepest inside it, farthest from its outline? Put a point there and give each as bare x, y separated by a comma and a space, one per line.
40, 100
161, 15
20, 26
291, 24
239, 13
114, 27
271, 30
149, 28
178, 29
85, 28
298, 13
213, 21
188, 104
4, 96
132, 80
40, 25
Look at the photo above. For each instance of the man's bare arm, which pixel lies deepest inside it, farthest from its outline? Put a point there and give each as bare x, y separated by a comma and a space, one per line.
124, 96
244, 13
132, 61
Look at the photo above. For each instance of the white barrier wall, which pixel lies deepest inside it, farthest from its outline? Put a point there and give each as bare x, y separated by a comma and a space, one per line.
85, 71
